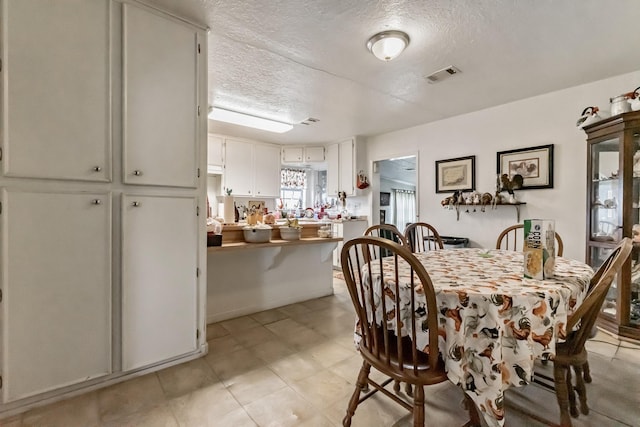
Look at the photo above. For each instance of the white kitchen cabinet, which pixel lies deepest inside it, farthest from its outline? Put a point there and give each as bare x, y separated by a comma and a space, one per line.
341, 167
160, 126
56, 107
159, 283
214, 154
251, 169
238, 167
90, 88
56, 287
314, 154
267, 170
302, 154
292, 154
333, 169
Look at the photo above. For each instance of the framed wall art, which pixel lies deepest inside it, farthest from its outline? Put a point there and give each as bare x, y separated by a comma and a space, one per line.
385, 198
383, 216
535, 164
456, 174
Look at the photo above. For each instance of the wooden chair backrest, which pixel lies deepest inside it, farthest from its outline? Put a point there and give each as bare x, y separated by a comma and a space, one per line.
510, 236
586, 314
386, 231
422, 237
377, 336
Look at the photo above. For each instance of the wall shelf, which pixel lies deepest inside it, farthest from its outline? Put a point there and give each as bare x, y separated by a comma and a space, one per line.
484, 208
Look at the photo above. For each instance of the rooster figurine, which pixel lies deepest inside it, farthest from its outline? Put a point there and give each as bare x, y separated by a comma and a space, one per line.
509, 185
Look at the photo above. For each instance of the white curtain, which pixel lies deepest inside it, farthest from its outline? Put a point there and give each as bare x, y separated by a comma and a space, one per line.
404, 207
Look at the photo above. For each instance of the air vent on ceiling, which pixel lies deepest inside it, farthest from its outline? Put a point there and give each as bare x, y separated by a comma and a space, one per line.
440, 75
309, 121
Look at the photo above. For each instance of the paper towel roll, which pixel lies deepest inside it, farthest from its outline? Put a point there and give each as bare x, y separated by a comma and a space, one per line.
229, 212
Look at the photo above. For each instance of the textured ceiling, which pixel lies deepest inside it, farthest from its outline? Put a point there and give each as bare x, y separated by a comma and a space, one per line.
294, 59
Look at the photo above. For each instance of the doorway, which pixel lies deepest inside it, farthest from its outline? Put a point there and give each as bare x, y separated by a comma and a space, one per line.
396, 191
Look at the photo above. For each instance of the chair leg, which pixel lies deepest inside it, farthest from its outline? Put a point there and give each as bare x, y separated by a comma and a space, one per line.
396, 386
408, 389
587, 372
581, 390
355, 397
418, 407
573, 409
562, 394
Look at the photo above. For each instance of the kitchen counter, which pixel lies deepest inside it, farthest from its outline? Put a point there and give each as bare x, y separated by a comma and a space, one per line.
245, 278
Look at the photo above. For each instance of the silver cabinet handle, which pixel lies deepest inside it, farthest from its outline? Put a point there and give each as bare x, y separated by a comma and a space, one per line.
97, 169
96, 202
137, 172
135, 204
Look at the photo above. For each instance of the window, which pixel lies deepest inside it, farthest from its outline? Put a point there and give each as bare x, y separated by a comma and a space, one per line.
293, 186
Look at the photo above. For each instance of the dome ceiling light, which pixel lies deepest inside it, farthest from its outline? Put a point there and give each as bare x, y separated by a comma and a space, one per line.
388, 44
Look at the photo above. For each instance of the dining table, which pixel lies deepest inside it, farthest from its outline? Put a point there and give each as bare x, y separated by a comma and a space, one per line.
493, 322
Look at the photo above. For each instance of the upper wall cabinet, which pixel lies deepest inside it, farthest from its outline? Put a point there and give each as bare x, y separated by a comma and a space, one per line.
302, 154
251, 169
341, 167
160, 126
214, 154
56, 117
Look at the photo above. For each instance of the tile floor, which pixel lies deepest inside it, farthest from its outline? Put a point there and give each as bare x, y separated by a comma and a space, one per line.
296, 366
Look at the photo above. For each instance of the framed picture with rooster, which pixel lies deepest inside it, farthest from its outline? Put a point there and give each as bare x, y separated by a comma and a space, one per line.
534, 164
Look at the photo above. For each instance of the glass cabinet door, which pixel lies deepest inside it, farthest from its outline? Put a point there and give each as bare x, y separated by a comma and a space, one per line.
606, 193
634, 312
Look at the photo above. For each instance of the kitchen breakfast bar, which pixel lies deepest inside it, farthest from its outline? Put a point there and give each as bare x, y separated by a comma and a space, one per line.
245, 278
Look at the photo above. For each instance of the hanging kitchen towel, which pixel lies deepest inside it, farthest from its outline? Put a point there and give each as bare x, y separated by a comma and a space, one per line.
361, 181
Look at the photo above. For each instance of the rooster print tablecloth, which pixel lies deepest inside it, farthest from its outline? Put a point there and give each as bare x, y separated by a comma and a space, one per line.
493, 323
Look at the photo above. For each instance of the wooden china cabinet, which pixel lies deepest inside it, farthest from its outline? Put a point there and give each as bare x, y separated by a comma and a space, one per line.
613, 212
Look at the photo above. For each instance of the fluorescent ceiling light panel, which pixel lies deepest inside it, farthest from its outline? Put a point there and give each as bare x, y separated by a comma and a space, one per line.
242, 119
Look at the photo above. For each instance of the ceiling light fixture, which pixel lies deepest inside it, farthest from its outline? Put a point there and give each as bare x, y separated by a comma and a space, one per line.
388, 44
242, 119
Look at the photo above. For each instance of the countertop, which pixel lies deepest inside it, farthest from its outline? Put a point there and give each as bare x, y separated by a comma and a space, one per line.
241, 245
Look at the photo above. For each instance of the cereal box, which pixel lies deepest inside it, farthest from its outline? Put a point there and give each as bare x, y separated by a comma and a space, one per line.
539, 248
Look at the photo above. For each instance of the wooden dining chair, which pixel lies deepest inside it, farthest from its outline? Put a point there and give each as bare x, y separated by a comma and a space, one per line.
509, 237
422, 237
380, 347
386, 231
571, 354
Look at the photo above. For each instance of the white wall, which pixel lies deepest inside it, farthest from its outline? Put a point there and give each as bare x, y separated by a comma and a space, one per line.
545, 119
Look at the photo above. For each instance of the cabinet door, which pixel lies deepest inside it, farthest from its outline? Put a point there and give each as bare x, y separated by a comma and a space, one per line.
267, 170
314, 154
56, 108
333, 169
292, 154
347, 173
160, 100
238, 167
159, 261
214, 150
56, 283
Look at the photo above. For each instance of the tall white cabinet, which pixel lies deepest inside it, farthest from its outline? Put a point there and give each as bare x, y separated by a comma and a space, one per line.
160, 126
57, 122
102, 248
56, 305
159, 269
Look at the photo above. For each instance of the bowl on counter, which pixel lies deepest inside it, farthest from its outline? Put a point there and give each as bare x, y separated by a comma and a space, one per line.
260, 234
325, 233
290, 233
